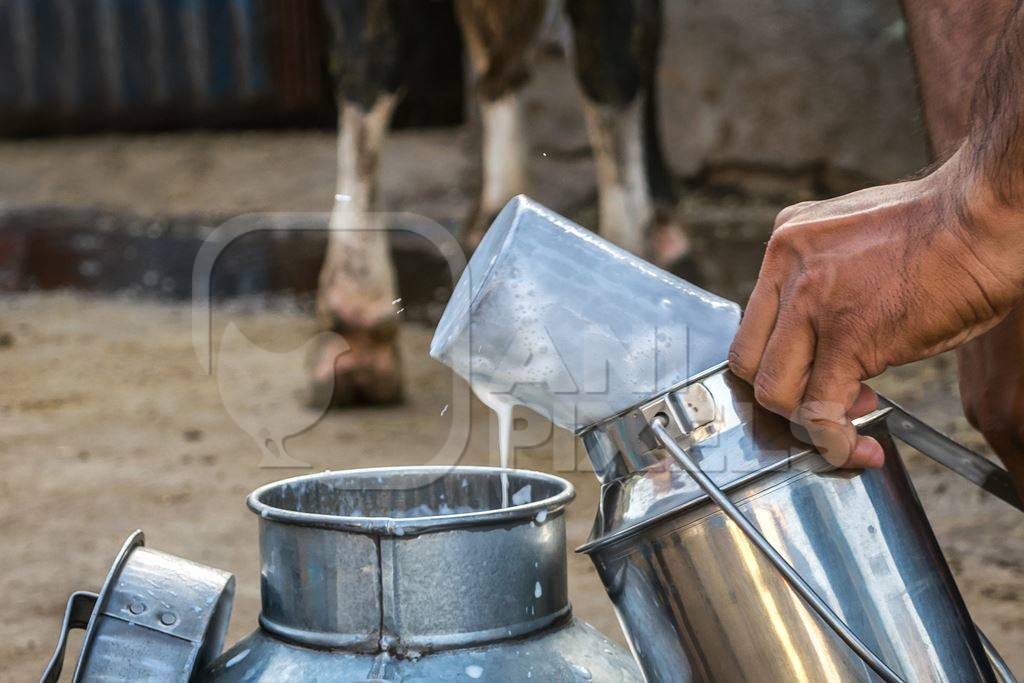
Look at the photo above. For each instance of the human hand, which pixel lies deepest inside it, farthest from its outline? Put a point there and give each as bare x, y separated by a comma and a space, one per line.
853, 285
992, 389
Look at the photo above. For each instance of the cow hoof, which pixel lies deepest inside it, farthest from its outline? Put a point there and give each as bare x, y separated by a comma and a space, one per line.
667, 245
357, 367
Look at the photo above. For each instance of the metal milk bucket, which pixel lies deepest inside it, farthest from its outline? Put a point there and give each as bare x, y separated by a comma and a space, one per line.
410, 574
797, 571
417, 574
732, 551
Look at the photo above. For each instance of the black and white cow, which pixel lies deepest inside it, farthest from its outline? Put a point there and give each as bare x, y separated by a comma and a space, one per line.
615, 53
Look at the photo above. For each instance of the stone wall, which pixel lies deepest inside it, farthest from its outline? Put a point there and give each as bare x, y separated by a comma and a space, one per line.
790, 84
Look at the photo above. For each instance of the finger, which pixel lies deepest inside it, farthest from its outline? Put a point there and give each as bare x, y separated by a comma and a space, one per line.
787, 213
866, 402
785, 365
755, 330
833, 388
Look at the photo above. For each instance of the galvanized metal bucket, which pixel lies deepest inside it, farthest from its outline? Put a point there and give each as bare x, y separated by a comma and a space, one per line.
417, 574
733, 551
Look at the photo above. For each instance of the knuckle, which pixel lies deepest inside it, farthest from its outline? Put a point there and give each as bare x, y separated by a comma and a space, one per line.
769, 393
764, 392
785, 250
740, 365
815, 412
787, 213
780, 245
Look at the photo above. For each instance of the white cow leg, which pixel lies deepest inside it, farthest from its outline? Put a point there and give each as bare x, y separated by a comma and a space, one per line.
503, 162
615, 54
499, 36
357, 282
629, 215
624, 200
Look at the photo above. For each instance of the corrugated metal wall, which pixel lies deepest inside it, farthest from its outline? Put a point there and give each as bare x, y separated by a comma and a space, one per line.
76, 65
83, 64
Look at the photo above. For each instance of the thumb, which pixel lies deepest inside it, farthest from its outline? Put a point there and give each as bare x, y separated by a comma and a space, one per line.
832, 394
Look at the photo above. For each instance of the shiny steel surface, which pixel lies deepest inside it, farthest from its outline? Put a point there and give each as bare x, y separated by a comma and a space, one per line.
624, 444
787, 572
695, 596
157, 618
571, 652
640, 480
410, 557
77, 614
417, 574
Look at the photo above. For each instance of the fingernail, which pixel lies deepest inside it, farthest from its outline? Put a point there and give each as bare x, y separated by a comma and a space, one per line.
868, 453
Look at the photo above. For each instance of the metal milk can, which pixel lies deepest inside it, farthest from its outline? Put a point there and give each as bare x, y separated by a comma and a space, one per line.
390, 574
730, 548
733, 551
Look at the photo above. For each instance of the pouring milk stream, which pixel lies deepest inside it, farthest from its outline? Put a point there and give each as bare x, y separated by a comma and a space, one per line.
550, 316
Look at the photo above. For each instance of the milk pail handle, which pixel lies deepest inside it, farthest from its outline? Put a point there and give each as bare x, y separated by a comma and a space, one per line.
999, 666
973, 467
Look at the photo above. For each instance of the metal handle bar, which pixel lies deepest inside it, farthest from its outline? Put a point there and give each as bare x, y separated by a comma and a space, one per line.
973, 467
77, 614
794, 579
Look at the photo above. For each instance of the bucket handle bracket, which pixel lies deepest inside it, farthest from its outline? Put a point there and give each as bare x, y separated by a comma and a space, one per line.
77, 614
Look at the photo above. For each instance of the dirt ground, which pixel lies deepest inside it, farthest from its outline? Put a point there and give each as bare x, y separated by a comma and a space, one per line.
108, 423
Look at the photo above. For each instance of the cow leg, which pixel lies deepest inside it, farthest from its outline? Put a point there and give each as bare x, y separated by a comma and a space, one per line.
357, 280
499, 36
616, 50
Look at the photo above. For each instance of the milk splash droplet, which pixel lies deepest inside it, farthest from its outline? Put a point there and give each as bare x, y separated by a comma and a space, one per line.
537, 590
474, 671
581, 672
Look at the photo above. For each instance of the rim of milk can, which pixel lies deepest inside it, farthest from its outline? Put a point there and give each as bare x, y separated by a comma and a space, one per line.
793, 459
400, 526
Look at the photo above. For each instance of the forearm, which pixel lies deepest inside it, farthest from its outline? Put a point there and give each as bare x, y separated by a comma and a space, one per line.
992, 156
950, 42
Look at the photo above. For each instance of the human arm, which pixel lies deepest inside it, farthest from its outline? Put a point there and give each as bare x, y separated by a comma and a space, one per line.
853, 285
